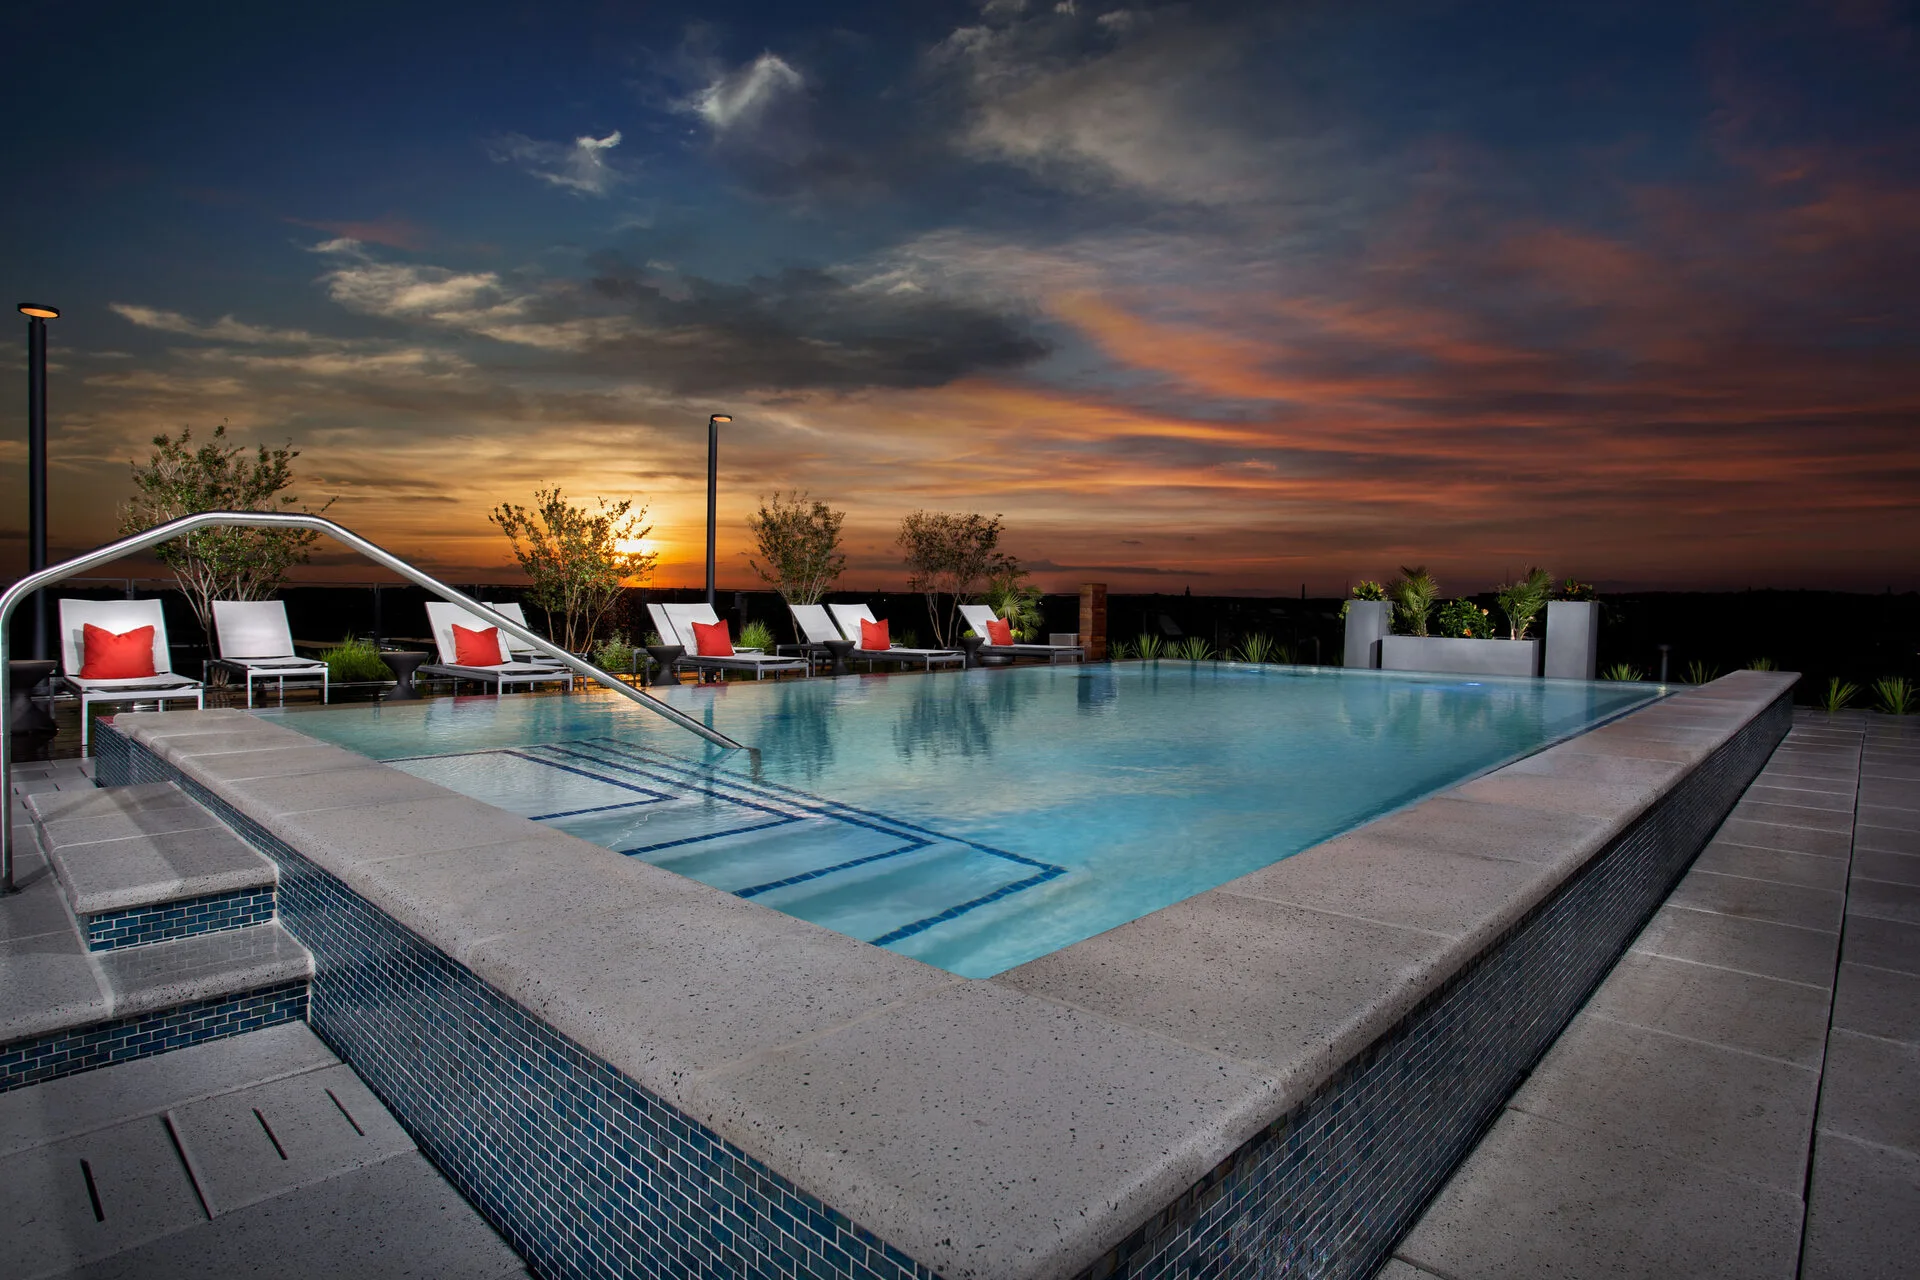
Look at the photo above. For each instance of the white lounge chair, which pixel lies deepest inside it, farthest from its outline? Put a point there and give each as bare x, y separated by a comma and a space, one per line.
119, 617
850, 616
675, 622
255, 642
442, 616
979, 615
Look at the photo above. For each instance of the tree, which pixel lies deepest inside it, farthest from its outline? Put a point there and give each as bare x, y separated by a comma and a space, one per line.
578, 559
799, 544
219, 564
947, 554
1521, 601
1414, 594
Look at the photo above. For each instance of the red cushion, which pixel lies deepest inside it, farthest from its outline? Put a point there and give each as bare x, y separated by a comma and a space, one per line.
712, 640
476, 648
125, 655
873, 635
999, 632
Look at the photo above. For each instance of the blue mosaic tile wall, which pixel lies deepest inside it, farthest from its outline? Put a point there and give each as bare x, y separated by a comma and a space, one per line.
1329, 1189
585, 1173
26, 1062
179, 919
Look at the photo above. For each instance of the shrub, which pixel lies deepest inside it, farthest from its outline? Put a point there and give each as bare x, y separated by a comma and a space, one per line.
1368, 589
1762, 664
1623, 671
1118, 651
614, 653
1699, 672
1012, 597
1413, 594
1574, 589
354, 660
1193, 649
1259, 648
1152, 647
1521, 601
757, 635
1839, 693
1897, 694
1463, 619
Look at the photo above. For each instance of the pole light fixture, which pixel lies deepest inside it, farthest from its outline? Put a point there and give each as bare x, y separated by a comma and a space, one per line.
37, 316
713, 489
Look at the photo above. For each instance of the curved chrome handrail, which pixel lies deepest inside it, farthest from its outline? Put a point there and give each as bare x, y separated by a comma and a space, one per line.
281, 520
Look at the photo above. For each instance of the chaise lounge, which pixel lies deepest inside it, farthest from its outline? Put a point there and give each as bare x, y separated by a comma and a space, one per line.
502, 674
852, 616
256, 643
981, 619
103, 657
675, 623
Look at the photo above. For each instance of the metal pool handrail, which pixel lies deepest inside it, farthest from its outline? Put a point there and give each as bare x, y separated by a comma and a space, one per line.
281, 520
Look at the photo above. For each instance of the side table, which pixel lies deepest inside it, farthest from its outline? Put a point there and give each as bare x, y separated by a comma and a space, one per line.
838, 650
666, 655
24, 715
403, 662
970, 645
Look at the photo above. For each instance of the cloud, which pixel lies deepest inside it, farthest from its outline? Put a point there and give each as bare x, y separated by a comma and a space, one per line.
225, 329
743, 97
392, 231
581, 167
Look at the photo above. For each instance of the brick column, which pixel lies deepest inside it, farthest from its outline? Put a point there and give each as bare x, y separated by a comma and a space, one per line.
1093, 621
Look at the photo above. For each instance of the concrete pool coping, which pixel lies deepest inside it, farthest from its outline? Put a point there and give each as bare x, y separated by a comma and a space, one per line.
1022, 1125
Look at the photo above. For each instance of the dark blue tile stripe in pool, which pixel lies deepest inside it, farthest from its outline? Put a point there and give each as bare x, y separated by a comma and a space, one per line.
211, 913
610, 754
582, 1170
589, 1175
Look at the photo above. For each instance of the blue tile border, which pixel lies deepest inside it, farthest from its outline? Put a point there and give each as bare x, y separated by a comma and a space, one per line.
587, 1174
182, 918
65, 1053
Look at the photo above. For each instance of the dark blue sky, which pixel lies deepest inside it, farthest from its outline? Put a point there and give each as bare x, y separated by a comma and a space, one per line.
1232, 294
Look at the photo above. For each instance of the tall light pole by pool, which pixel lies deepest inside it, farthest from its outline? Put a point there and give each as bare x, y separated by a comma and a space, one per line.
37, 317
713, 489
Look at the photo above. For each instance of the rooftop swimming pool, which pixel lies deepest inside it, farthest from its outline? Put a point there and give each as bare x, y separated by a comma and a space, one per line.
981, 819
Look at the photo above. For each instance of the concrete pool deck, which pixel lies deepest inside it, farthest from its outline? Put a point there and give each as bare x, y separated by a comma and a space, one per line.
1032, 1124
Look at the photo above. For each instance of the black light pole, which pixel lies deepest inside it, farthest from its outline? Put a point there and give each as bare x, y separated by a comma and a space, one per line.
37, 317
713, 489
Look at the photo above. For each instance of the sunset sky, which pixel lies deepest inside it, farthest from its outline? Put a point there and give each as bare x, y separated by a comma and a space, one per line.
1226, 296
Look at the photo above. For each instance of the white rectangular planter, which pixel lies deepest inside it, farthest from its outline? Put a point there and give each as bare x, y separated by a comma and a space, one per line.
1461, 657
1573, 639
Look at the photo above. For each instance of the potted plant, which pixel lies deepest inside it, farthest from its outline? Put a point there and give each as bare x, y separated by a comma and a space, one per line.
1466, 643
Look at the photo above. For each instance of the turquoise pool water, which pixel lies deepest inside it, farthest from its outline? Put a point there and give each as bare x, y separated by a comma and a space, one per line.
977, 820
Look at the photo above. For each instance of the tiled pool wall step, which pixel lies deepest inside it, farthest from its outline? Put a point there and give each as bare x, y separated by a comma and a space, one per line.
113, 950
588, 1173
821, 860
585, 1173
1329, 1188
182, 918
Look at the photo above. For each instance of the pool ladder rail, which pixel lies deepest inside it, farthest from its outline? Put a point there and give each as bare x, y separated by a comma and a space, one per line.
46, 577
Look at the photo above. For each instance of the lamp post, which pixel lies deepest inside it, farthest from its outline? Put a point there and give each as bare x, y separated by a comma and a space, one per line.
713, 489
37, 317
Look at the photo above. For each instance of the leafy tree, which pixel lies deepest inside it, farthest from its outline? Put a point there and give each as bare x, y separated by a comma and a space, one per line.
578, 558
1413, 594
180, 479
799, 544
947, 554
1522, 600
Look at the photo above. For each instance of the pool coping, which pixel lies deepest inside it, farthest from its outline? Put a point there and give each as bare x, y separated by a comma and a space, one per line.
1017, 1126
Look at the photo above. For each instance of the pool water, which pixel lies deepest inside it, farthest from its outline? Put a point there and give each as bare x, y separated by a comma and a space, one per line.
980, 819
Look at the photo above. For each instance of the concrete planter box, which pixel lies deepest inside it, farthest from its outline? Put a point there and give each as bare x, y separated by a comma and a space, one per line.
1368, 621
1461, 657
1573, 639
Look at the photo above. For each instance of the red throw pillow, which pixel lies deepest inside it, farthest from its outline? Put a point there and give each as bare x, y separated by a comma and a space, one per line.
999, 632
873, 635
712, 640
476, 648
107, 655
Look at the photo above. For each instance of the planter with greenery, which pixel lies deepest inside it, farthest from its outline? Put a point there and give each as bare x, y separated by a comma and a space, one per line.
1369, 617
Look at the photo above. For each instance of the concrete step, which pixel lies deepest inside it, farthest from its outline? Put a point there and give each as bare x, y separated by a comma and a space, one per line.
147, 864
261, 1153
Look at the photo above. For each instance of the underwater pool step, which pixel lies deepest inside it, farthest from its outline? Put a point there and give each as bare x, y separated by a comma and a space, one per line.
146, 864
